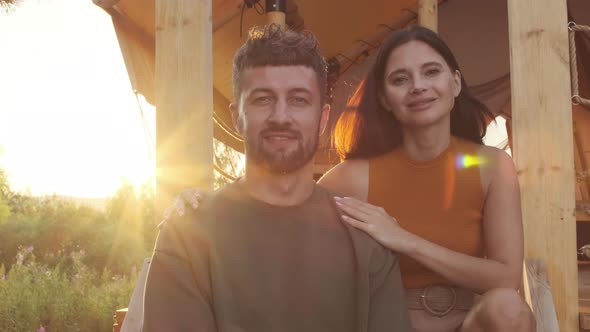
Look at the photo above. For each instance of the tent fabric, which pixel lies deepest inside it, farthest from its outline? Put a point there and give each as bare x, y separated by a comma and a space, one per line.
476, 31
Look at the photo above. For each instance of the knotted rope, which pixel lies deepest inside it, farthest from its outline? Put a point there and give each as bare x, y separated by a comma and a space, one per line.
573, 28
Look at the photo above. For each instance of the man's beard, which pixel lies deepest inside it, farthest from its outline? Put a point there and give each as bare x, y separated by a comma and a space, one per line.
281, 161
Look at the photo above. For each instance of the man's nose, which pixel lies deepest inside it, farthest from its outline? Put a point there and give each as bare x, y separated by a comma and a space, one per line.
280, 112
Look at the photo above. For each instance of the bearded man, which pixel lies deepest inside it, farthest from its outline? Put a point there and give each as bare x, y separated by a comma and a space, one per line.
270, 251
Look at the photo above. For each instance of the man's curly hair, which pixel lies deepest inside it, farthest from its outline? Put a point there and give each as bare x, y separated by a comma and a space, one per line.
270, 46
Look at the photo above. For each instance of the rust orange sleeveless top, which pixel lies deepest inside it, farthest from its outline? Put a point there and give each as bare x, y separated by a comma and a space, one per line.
440, 200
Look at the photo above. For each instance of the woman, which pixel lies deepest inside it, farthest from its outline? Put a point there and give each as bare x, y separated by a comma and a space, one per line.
418, 179
412, 148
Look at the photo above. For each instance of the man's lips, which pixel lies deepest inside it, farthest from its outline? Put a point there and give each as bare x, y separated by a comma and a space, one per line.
279, 135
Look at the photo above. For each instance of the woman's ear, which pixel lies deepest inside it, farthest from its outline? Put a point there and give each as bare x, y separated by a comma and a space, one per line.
383, 102
457, 83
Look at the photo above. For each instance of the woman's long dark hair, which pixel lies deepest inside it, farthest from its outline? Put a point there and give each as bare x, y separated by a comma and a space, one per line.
366, 129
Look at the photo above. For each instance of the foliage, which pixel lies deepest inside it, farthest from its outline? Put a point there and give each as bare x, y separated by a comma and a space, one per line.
117, 239
230, 161
4, 193
72, 298
69, 267
8, 5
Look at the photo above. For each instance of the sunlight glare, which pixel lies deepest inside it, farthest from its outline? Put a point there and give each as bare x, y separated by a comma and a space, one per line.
69, 121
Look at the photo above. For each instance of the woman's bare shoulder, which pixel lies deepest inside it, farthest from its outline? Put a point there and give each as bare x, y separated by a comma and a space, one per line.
493, 157
349, 178
496, 165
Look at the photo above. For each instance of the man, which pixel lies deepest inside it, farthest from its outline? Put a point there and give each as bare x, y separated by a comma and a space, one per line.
270, 252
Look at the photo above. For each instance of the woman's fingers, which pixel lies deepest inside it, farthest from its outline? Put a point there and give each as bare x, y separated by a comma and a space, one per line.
363, 226
180, 206
366, 208
352, 210
192, 197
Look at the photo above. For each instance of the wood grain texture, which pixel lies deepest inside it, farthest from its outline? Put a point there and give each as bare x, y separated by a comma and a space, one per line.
184, 97
543, 143
134, 316
277, 18
428, 14
538, 292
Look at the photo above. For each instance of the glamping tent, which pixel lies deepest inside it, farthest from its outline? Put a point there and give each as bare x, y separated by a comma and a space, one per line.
514, 54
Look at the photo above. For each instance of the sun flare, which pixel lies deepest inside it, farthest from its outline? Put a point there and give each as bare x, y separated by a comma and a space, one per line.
69, 121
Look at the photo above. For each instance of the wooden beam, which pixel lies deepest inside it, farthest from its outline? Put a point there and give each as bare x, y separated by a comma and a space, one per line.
543, 144
134, 317
538, 293
277, 18
428, 14
275, 12
184, 97
225, 11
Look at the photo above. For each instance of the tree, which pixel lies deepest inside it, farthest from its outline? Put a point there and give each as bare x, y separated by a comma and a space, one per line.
229, 164
4, 195
8, 5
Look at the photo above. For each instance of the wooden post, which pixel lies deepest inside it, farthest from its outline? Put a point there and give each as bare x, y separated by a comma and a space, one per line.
134, 313
184, 97
428, 14
538, 293
275, 12
543, 144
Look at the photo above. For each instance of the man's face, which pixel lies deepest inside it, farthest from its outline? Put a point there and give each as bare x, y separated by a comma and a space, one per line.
280, 115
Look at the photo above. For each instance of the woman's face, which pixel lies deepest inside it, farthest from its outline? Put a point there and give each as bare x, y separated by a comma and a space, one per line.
419, 87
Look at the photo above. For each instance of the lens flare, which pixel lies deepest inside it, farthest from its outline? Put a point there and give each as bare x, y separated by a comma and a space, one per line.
466, 161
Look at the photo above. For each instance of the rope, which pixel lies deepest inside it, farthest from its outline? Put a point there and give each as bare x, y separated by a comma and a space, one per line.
146, 131
223, 173
218, 121
573, 28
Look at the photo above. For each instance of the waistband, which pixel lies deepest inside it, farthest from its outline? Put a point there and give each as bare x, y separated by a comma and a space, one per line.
439, 300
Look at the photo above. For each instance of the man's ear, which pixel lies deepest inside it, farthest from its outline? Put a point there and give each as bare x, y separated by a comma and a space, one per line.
236, 119
324, 118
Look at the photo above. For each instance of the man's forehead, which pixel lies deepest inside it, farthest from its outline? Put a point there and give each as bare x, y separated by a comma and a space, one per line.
279, 78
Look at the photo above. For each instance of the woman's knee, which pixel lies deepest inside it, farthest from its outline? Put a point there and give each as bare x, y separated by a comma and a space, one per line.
504, 310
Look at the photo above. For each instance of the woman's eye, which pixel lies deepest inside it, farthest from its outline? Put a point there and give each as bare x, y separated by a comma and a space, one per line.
399, 80
432, 72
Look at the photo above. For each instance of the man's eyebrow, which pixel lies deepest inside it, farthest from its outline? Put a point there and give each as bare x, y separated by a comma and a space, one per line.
260, 90
298, 90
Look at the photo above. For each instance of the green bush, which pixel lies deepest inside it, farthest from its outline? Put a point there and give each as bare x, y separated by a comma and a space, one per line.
69, 267
117, 239
67, 297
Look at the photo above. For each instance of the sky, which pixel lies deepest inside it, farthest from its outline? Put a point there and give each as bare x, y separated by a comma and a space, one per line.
69, 120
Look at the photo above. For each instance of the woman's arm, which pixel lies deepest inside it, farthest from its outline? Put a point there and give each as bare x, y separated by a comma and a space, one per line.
349, 178
502, 226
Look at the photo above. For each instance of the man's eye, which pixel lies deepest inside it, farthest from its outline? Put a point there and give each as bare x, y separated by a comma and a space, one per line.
262, 100
299, 101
